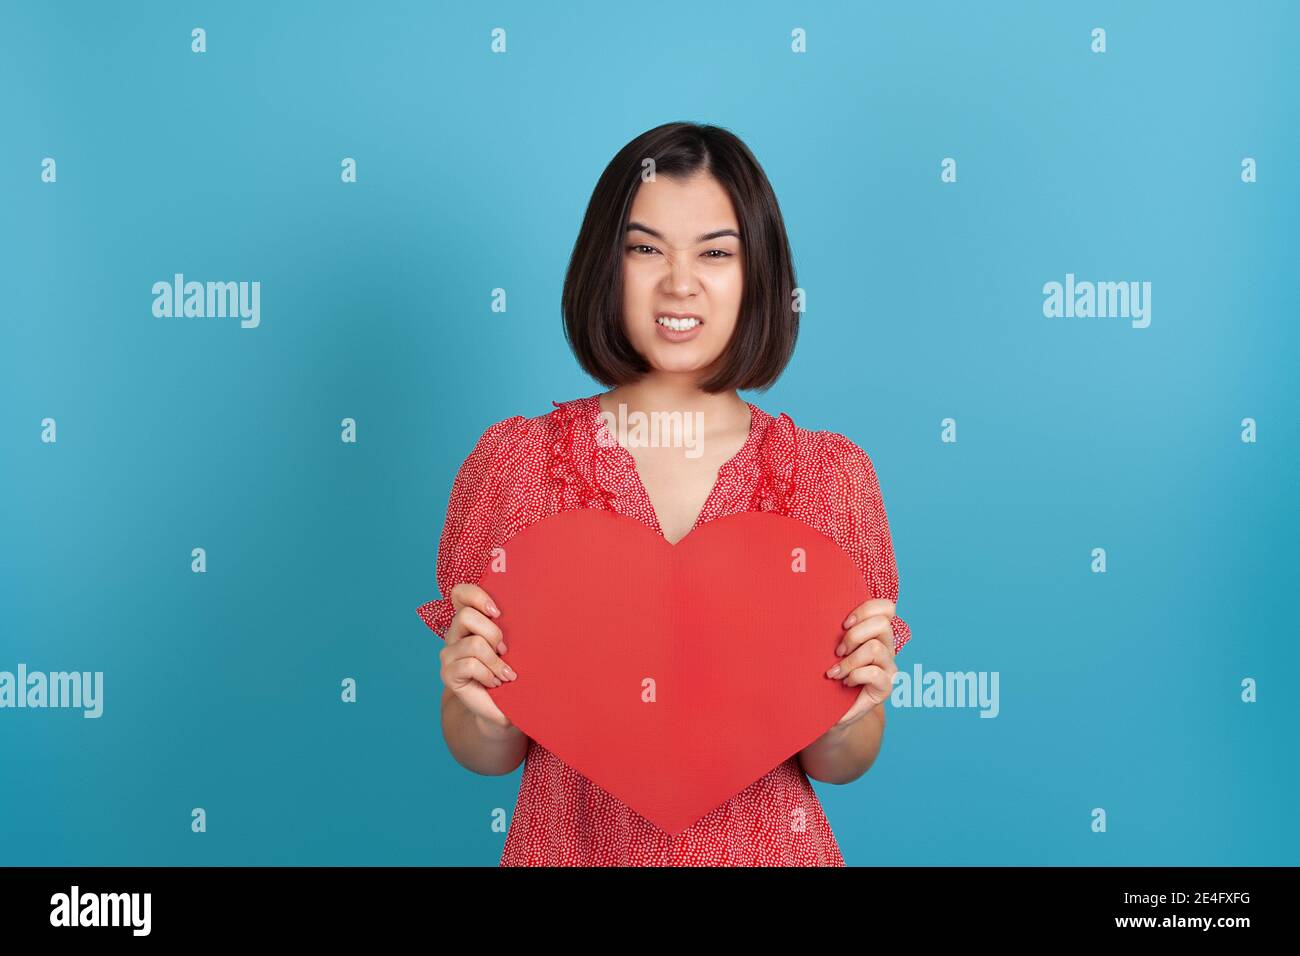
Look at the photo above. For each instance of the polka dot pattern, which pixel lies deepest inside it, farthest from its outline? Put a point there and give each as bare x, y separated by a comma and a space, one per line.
524, 469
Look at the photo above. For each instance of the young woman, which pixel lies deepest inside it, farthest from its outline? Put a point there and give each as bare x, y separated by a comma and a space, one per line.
680, 291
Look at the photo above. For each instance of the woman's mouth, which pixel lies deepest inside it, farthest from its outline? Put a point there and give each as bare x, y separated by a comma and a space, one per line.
673, 328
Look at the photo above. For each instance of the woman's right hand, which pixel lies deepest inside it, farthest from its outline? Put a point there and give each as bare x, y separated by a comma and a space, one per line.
471, 660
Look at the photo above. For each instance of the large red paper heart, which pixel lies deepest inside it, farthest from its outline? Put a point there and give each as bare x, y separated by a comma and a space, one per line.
672, 676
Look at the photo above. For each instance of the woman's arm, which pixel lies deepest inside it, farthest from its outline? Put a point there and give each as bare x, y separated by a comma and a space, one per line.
469, 532
843, 754
858, 524
478, 745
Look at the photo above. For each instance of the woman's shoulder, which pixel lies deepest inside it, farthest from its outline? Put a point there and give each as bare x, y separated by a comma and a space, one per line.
813, 449
517, 434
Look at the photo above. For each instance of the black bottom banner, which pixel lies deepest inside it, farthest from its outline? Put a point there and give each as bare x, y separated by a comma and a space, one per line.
240, 904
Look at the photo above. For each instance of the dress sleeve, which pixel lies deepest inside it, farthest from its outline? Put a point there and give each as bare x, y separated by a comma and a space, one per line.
857, 516
466, 542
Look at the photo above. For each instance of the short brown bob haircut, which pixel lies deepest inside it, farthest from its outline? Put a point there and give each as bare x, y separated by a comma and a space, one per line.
592, 301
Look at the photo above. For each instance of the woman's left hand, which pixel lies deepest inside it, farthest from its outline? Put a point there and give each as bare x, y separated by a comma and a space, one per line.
867, 652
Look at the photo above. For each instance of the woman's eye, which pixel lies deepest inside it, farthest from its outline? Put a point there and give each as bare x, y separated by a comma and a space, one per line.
649, 250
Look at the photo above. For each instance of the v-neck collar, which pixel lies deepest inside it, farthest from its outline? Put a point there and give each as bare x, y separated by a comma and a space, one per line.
615, 468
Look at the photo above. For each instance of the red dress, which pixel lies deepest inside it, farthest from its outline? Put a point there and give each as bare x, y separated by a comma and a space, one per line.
524, 469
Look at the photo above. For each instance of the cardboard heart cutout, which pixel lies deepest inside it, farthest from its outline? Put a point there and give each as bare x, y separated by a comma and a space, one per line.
672, 676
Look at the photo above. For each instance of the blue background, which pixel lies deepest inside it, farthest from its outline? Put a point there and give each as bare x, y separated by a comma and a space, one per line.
1118, 690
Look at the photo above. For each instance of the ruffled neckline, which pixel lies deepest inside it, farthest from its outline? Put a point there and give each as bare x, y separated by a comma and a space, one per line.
587, 458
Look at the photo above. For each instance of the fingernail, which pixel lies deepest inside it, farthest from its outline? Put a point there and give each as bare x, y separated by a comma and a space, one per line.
840, 650
834, 671
492, 609
505, 669
501, 648
851, 620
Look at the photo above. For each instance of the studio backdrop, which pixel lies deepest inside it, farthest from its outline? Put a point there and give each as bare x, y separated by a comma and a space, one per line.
1047, 253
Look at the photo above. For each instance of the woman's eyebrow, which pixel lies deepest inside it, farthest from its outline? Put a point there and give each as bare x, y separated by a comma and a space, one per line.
716, 234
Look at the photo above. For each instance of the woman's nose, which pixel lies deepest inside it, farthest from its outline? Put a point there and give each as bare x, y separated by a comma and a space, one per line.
681, 273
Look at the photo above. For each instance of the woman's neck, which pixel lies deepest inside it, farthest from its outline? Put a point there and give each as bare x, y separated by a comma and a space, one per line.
721, 412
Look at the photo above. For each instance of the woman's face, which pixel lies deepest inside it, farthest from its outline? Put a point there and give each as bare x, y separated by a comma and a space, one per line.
682, 254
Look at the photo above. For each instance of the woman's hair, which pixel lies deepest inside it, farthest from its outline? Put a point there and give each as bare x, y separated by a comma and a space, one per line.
592, 301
